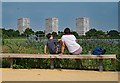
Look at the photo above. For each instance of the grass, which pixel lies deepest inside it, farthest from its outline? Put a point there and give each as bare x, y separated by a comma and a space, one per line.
24, 46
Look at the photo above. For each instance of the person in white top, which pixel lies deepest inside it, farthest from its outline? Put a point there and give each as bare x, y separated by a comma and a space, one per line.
69, 40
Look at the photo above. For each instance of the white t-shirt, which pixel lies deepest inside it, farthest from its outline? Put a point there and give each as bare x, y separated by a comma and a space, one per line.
70, 42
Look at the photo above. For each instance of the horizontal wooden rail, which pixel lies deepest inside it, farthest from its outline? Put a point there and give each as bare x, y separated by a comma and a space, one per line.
11, 56
5, 55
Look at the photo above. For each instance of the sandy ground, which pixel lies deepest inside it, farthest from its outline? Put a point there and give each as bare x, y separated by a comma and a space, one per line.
56, 75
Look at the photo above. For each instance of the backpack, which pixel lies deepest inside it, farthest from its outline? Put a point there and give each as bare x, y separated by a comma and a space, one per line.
98, 51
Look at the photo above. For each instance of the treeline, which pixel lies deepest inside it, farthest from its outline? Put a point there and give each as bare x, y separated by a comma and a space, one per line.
91, 34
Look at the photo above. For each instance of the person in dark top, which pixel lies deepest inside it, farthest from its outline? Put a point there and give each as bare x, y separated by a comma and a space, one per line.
52, 44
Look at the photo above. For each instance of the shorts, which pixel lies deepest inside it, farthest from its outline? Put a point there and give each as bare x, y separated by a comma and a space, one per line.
78, 51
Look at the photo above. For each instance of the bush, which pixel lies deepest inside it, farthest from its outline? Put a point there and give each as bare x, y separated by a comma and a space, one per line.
24, 46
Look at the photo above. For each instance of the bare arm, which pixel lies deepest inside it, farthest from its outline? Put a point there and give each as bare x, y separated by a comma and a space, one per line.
59, 39
63, 47
45, 47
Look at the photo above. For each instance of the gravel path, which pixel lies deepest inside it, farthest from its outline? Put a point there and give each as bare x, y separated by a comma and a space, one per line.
56, 75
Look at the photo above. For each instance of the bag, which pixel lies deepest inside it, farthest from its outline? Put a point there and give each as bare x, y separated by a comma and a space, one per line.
57, 47
98, 51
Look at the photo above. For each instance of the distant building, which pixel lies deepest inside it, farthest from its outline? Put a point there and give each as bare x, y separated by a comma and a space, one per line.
23, 24
51, 25
82, 25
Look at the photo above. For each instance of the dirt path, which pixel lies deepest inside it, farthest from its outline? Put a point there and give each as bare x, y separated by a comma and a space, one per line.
56, 75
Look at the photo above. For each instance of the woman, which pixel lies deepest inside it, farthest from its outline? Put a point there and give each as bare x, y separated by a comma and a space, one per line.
70, 41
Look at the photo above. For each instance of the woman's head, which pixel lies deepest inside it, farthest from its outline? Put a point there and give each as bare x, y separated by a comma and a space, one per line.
67, 31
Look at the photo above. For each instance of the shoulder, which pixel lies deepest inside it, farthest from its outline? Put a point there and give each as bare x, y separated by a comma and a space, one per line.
63, 36
73, 36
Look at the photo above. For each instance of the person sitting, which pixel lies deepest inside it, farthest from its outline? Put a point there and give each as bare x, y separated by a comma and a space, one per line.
52, 44
69, 40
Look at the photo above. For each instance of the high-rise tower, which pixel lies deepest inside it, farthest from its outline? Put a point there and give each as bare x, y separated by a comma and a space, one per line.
51, 25
82, 25
23, 24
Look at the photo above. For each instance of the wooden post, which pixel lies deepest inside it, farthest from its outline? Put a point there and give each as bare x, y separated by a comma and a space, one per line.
100, 65
51, 63
114, 62
11, 63
79, 64
0, 62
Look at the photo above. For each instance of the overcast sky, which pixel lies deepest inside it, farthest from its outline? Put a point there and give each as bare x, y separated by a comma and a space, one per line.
102, 15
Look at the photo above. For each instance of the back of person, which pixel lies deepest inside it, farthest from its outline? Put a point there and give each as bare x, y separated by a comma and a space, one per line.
51, 46
70, 42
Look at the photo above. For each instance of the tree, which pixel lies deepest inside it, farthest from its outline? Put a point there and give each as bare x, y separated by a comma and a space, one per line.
16, 33
28, 31
40, 33
113, 34
100, 34
75, 34
4, 35
91, 33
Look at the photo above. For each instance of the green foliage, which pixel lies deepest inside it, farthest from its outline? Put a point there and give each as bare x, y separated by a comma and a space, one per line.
28, 31
40, 33
21, 46
25, 46
10, 33
113, 34
75, 34
118, 58
91, 34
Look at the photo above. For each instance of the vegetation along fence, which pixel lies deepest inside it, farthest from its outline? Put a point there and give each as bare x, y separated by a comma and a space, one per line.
24, 45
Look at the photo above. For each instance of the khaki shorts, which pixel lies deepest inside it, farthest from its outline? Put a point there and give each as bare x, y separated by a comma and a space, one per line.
78, 51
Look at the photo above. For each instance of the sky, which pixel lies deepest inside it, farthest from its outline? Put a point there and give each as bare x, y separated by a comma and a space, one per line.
102, 15
60, 0
0, 14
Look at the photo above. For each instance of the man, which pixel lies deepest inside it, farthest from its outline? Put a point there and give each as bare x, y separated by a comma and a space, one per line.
51, 44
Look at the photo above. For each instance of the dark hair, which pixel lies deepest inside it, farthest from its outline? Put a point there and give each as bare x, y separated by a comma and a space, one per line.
48, 35
67, 31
